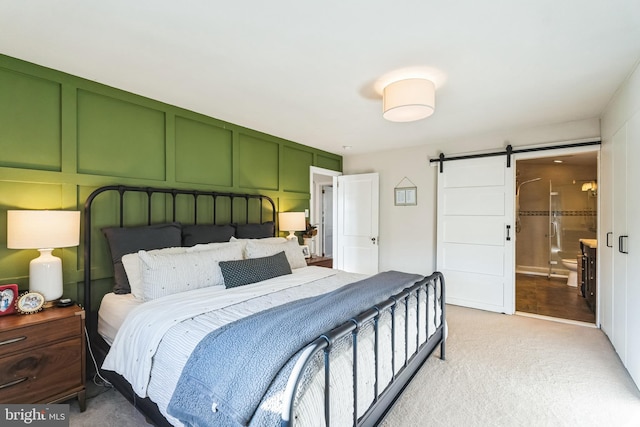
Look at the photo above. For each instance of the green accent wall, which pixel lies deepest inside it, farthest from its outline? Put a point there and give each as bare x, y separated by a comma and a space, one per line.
62, 136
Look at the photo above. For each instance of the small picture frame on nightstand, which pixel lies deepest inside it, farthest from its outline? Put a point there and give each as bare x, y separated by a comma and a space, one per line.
30, 302
305, 251
8, 297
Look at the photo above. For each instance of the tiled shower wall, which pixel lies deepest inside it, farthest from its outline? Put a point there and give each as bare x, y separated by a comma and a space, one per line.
577, 212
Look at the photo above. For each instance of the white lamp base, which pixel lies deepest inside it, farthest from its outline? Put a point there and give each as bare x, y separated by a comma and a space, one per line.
292, 236
45, 276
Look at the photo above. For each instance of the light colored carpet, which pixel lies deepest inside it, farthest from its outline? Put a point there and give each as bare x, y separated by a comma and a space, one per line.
105, 408
500, 371
518, 371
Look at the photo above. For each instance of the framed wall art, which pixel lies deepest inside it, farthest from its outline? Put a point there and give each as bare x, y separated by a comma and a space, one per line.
406, 195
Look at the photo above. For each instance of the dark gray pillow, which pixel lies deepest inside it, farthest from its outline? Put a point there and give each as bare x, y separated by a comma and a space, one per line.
206, 233
256, 231
127, 240
246, 271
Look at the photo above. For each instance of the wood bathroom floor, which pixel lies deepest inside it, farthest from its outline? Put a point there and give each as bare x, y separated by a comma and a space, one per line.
551, 297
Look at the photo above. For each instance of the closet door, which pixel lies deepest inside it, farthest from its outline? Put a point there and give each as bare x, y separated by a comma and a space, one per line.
476, 233
631, 245
619, 336
606, 246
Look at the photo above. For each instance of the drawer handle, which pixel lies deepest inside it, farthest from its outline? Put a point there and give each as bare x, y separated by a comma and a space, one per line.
12, 383
12, 340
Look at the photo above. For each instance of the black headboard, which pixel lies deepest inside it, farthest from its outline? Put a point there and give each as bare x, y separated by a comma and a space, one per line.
172, 200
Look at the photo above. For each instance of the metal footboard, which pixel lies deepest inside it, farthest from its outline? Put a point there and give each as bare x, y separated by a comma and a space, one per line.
384, 394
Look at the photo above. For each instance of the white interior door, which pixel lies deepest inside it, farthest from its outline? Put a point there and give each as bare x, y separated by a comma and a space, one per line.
630, 246
475, 233
327, 221
356, 223
619, 336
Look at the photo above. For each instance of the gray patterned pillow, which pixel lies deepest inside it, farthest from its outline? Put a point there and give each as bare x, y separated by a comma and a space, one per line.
246, 271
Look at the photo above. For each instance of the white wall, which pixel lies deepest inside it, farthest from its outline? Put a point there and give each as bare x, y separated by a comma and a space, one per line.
408, 233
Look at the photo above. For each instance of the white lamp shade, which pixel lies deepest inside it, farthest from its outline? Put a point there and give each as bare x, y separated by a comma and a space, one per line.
291, 222
45, 231
408, 100
42, 229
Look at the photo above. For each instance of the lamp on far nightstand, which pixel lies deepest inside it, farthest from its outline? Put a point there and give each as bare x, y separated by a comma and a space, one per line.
44, 231
292, 222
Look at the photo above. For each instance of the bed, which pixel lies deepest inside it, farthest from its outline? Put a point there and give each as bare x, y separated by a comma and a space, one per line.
213, 320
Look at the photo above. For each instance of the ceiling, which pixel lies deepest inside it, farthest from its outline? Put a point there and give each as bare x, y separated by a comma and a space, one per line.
312, 72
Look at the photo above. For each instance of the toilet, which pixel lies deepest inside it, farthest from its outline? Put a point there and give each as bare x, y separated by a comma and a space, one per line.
572, 266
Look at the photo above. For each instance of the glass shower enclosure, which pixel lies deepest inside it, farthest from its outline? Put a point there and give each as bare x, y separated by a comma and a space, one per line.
572, 216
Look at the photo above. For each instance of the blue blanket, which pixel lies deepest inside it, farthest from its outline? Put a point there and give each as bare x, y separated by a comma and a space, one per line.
230, 370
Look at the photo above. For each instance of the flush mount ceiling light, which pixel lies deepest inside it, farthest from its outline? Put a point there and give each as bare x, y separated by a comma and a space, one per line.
408, 100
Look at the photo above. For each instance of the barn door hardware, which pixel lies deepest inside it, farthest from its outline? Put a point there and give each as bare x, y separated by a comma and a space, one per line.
508, 152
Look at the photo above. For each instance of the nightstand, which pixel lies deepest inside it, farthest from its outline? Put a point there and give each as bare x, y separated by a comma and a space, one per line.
320, 261
42, 356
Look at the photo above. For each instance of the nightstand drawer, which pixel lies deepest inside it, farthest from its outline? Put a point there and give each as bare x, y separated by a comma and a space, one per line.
27, 337
38, 375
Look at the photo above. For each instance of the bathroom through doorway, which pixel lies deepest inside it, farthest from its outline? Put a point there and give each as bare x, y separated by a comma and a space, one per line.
556, 209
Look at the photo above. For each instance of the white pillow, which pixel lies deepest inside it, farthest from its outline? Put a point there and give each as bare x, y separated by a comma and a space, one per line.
131, 263
217, 245
167, 274
258, 249
264, 240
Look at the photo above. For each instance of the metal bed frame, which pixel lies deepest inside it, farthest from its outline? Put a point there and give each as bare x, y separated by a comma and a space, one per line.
383, 398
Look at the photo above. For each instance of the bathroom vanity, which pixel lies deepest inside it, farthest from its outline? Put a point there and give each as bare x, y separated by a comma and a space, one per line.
588, 248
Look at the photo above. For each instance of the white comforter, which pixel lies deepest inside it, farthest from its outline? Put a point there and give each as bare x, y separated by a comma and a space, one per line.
137, 341
156, 339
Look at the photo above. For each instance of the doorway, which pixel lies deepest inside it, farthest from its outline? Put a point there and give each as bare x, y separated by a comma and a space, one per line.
556, 206
321, 210
345, 210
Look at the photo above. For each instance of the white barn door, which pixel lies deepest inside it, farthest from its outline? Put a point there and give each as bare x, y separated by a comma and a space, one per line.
356, 223
476, 233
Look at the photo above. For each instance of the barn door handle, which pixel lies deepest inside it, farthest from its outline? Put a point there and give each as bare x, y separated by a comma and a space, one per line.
508, 232
609, 244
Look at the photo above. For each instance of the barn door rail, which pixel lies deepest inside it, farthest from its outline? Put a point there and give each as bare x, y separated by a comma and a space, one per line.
508, 151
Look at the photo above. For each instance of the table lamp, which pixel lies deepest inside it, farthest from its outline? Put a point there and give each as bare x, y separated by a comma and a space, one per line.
292, 222
44, 231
